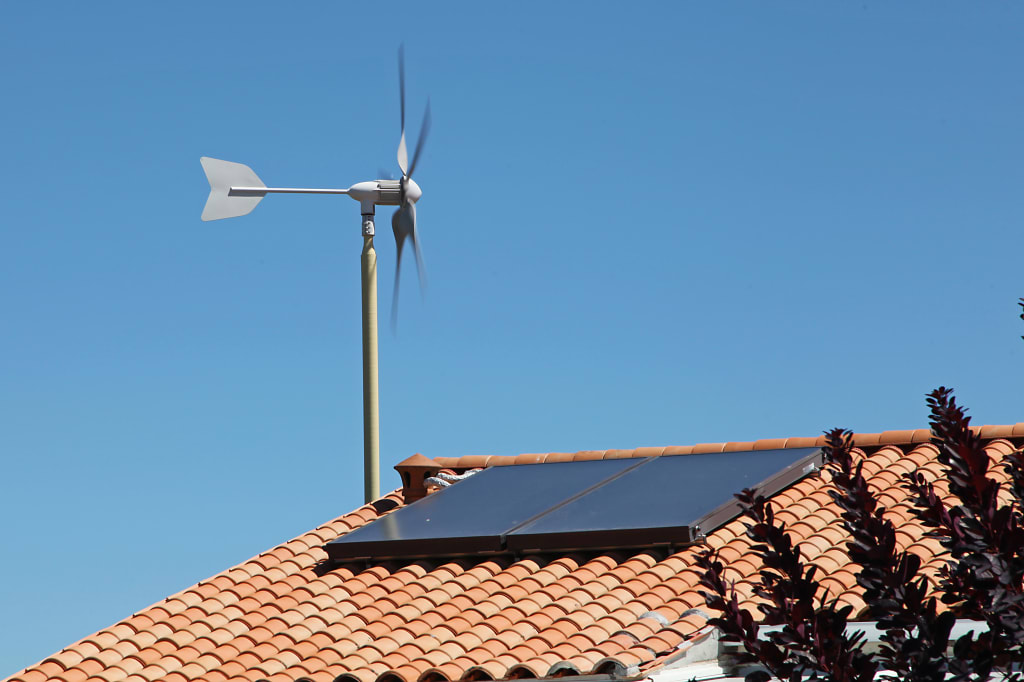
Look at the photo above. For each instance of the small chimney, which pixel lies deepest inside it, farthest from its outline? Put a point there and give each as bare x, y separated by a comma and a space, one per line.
415, 471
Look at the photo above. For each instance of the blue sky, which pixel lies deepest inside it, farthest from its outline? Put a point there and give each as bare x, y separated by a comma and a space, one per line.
664, 224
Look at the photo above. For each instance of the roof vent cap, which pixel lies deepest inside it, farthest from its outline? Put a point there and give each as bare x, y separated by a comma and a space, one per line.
414, 471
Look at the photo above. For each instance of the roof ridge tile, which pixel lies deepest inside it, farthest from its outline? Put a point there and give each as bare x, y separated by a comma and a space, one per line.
892, 437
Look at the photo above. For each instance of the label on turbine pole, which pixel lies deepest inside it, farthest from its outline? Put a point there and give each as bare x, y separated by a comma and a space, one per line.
367, 225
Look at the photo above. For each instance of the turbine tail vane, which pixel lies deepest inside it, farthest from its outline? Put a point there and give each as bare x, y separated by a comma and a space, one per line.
222, 176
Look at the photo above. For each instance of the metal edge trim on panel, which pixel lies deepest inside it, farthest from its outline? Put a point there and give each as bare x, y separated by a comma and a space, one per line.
768, 487
601, 539
394, 549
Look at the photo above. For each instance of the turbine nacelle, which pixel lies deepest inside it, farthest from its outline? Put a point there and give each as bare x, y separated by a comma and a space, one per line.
385, 193
376, 193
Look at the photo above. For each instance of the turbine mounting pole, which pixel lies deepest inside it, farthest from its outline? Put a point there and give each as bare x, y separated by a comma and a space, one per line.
371, 418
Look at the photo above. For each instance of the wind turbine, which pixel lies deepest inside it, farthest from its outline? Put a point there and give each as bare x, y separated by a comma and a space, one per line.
235, 190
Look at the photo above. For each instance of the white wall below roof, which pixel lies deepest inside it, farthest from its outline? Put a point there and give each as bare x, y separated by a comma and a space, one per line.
706, 657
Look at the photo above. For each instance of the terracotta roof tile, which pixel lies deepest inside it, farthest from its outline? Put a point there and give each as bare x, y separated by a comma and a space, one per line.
703, 448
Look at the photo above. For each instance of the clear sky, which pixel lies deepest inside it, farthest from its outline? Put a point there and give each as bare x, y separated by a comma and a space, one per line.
647, 224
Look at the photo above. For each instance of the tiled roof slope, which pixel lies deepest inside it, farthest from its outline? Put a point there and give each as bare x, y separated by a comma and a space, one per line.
281, 616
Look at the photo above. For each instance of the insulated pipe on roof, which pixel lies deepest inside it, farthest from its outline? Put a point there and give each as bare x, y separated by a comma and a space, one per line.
443, 480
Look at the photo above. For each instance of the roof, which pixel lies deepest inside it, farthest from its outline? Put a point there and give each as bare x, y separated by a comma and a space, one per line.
285, 615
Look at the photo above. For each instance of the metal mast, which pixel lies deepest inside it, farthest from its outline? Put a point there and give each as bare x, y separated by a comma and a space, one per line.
371, 418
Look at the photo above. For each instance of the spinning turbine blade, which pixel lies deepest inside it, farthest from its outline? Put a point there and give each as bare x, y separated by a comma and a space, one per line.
403, 223
403, 155
398, 228
420, 270
414, 237
223, 175
424, 131
401, 81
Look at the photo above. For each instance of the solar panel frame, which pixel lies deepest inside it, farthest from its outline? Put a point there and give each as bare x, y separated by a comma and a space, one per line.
509, 507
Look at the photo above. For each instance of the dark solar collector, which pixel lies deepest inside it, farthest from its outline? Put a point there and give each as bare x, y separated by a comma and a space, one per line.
622, 503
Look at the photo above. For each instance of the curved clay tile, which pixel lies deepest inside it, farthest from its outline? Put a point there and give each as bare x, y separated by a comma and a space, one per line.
706, 448
563, 669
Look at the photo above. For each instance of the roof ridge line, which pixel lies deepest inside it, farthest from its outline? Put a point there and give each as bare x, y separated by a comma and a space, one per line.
893, 437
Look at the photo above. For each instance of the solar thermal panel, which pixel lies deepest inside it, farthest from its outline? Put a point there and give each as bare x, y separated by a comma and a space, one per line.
669, 500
